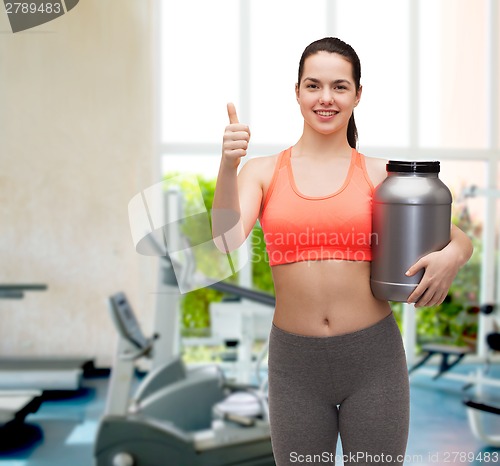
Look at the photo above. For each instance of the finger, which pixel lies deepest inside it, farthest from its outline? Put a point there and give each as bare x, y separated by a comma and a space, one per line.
432, 297
417, 293
237, 153
232, 145
237, 135
426, 299
440, 300
231, 113
415, 268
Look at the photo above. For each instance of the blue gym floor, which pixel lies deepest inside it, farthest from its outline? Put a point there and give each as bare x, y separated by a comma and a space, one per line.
63, 430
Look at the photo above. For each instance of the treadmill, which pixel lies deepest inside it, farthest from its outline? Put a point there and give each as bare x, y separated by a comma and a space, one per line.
15, 405
44, 373
23, 380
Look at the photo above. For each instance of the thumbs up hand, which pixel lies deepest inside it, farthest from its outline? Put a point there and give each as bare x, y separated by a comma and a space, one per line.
236, 139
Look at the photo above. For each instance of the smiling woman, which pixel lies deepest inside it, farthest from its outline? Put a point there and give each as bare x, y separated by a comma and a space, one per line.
336, 358
330, 91
415, 84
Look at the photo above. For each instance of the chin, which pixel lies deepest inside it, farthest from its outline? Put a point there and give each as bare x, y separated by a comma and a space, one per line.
326, 132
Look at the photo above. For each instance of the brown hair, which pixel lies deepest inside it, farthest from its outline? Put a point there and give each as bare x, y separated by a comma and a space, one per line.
334, 45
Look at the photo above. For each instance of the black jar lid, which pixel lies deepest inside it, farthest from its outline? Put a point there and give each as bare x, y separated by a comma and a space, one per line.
405, 166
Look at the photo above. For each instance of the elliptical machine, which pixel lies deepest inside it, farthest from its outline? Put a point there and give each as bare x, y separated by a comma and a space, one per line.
177, 416
173, 420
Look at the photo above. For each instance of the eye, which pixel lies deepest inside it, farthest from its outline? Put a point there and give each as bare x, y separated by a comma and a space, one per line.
312, 86
341, 88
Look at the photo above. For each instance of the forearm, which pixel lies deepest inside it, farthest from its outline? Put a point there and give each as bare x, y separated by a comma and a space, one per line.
228, 230
227, 226
460, 245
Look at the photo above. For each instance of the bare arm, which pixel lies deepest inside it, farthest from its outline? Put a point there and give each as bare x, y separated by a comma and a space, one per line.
237, 197
441, 267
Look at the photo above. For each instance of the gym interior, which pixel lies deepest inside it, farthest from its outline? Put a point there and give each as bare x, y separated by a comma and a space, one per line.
117, 350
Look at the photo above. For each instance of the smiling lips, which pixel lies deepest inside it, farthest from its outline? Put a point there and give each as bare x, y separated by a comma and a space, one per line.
325, 113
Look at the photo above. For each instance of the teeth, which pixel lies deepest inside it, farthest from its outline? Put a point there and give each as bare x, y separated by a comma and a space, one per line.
326, 114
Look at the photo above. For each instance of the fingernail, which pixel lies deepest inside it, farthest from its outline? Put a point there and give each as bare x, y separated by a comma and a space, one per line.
407, 272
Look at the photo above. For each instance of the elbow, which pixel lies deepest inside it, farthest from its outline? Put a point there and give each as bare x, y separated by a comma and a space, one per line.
227, 230
227, 243
467, 252
462, 244
220, 243
467, 246
470, 249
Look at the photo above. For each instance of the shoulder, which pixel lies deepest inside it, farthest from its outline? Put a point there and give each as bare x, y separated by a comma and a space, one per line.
376, 169
259, 168
259, 162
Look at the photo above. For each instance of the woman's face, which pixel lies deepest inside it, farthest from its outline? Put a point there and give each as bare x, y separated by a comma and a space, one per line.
327, 92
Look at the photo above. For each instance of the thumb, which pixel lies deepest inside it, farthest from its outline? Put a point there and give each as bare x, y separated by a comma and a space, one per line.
231, 112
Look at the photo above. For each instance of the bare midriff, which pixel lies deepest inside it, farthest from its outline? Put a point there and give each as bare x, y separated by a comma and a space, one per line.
325, 297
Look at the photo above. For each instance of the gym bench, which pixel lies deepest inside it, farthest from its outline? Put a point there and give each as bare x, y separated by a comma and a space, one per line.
459, 352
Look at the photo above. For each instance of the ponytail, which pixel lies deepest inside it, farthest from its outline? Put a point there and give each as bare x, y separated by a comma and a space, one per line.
352, 132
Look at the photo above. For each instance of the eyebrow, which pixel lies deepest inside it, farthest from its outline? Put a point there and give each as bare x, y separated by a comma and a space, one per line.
337, 81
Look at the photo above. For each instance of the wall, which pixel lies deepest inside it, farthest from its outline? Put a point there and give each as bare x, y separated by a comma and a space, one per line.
77, 143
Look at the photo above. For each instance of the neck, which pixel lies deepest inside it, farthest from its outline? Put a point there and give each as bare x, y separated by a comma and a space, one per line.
320, 145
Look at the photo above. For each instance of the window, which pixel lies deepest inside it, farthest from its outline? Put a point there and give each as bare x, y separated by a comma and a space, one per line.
430, 74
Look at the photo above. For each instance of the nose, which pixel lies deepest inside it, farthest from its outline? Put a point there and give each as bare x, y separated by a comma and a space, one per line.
326, 96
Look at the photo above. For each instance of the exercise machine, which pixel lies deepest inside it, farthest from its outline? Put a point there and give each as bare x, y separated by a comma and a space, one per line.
177, 416
15, 405
479, 406
44, 373
475, 410
487, 295
40, 373
445, 351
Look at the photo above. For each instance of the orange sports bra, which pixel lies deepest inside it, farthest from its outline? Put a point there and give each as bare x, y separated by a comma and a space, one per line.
304, 228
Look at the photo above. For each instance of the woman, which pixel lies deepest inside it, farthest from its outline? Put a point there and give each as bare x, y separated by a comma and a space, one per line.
336, 358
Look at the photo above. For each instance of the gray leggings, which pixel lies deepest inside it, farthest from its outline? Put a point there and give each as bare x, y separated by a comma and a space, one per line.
354, 384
